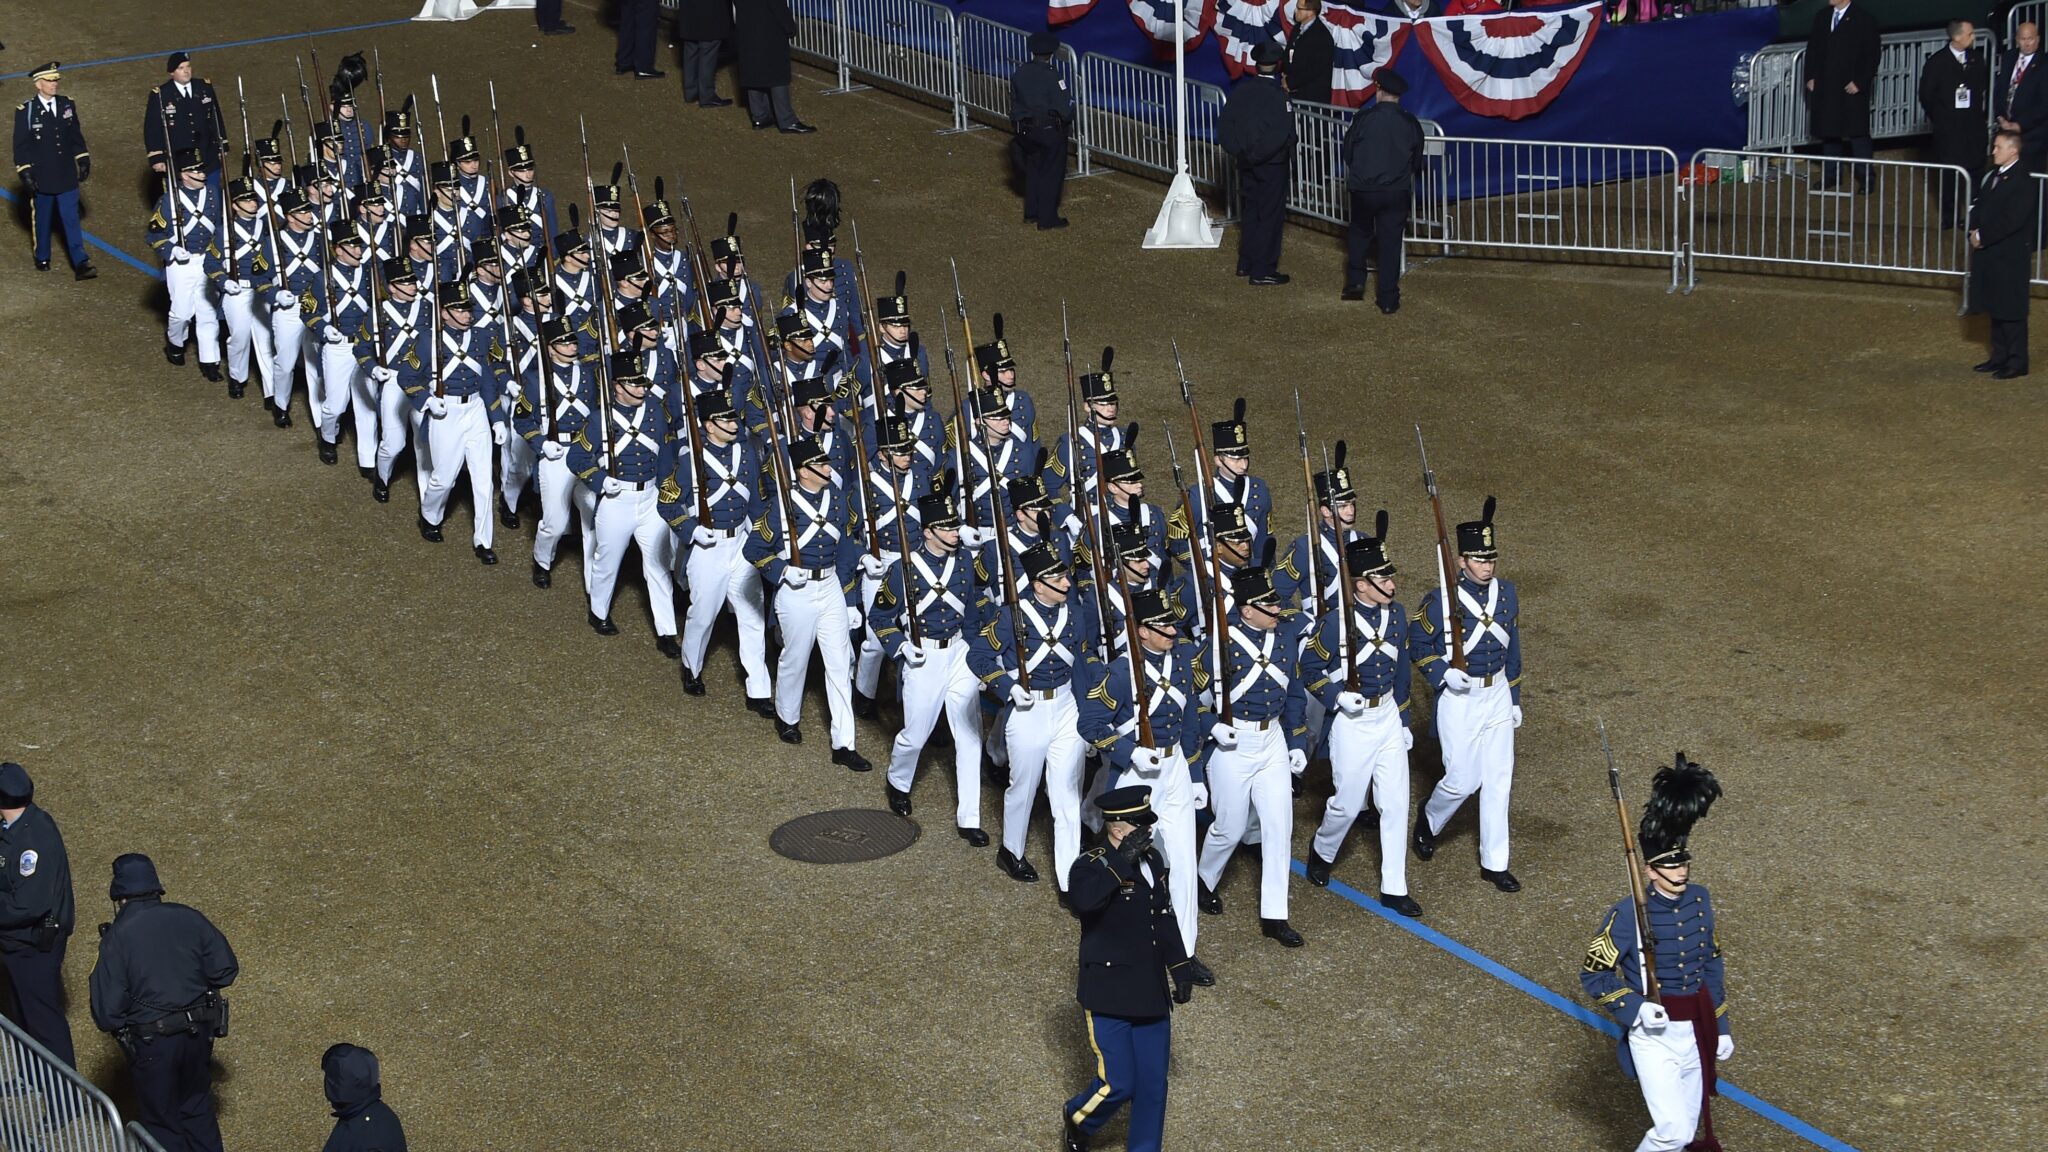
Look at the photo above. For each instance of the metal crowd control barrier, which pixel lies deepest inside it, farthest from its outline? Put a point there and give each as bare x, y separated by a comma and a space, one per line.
139, 1139
45, 1105
1798, 214
1777, 89
908, 45
988, 53
1317, 189
1777, 97
820, 35
1128, 113
2032, 12
2040, 274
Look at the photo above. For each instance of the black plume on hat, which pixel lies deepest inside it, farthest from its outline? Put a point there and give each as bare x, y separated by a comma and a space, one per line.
1379, 525
519, 133
902, 279
1108, 354
997, 321
618, 170
1679, 797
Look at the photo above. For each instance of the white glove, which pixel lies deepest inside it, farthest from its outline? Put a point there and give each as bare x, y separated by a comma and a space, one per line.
701, 536
1407, 739
1201, 795
794, 577
383, 375
613, 486
914, 656
1021, 697
179, 254
853, 618
873, 566
1455, 680
1297, 761
1351, 703
499, 435
554, 451
974, 537
1651, 1017
436, 406
233, 287
1146, 761
333, 336
1224, 735
1724, 1047
281, 300
1516, 714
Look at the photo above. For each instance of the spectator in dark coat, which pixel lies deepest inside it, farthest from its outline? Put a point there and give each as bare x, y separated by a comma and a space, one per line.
762, 29
1257, 131
362, 1121
2022, 97
2001, 235
1382, 157
1841, 71
637, 21
1311, 54
1954, 83
703, 26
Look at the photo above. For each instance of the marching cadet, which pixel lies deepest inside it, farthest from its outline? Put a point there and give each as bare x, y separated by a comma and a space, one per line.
536, 203
1479, 706
1030, 654
557, 408
576, 285
51, 158
182, 113
1075, 462
36, 913
612, 234
382, 233
811, 563
934, 584
298, 297
820, 231
407, 167
735, 333
803, 356
489, 301
1227, 547
1130, 952
408, 197
828, 315
1361, 674
995, 456
1041, 111
1231, 481
404, 327
675, 283
329, 157
457, 231
1260, 741
892, 324
271, 178
457, 395
712, 370
319, 190
517, 458
999, 372
1127, 491
515, 241
1137, 572
896, 479
817, 417
624, 460
346, 344
474, 186
184, 230
730, 262
1168, 758
1675, 1031
1336, 515
716, 567
419, 251
355, 139
907, 390
242, 273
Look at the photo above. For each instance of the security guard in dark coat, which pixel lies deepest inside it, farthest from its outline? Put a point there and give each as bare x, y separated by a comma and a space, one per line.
36, 914
1382, 157
1130, 954
51, 158
1257, 130
355, 1090
2002, 238
1842, 55
1041, 112
182, 113
156, 989
1954, 84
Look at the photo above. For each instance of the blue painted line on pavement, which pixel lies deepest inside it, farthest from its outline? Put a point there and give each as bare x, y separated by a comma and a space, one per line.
217, 47
1569, 1007
93, 241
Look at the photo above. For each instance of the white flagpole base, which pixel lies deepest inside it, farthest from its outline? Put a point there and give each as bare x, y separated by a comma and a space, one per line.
464, 9
1183, 220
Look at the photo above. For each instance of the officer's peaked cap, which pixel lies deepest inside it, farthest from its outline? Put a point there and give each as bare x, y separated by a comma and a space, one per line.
134, 875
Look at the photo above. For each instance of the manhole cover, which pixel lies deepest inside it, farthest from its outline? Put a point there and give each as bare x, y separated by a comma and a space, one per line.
847, 836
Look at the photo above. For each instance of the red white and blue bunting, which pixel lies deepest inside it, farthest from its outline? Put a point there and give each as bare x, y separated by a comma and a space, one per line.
1058, 12
1242, 25
1510, 65
1155, 19
1366, 42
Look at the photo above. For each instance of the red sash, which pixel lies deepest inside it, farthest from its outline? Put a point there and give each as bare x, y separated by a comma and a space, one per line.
1698, 1008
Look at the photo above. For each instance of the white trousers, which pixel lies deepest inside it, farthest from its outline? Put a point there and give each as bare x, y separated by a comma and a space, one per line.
1254, 776
192, 307
628, 518
333, 388
867, 671
720, 575
1369, 757
945, 684
362, 405
1173, 801
560, 494
455, 442
1045, 742
248, 330
1477, 732
516, 462
1668, 1068
290, 347
397, 422
814, 616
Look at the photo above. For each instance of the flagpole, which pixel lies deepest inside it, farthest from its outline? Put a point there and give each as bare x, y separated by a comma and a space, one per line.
1183, 220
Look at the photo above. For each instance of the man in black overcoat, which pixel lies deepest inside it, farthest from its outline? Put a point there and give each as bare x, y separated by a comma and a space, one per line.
762, 30
1841, 71
703, 26
1954, 83
2001, 237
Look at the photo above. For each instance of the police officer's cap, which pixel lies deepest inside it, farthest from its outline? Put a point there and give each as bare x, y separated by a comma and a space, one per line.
398, 270
627, 264
703, 344
897, 434
1269, 53
1042, 43
343, 232
1475, 537
904, 373
794, 326
16, 789
453, 294
1391, 82
172, 61
557, 331
814, 391
818, 264
46, 72
1131, 804
936, 511
463, 148
723, 293
134, 875
1042, 562
716, 406
1027, 493
443, 174
1230, 522
633, 315
571, 244
805, 451
189, 160
1253, 584
1152, 609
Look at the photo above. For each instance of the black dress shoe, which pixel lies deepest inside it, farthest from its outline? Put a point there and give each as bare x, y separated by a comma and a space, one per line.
541, 577
764, 123
1424, 842
1318, 870
693, 684
559, 30
1242, 272
1268, 281
508, 517
280, 416
1988, 366
42, 265
380, 491
715, 102
431, 533
602, 625
1389, 309
236, 388
2008, 373
210, 371
1055, 222
864, 706
655, 74
328, 453
617, 71
853, 761
798, 129
1199, 974
1404, 904
761, 706
174, 353
668, 647
975, 837
484, 555
899, 802
788, 733
1018, 868
1207, 900
1503, 879
1282, 931
85, 272
1072, 1139
1352, 294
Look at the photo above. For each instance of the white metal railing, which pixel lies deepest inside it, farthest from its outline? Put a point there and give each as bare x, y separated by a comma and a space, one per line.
46, 1105
2032, 12
912, 45
139, 1139
1317, 189
1777, 97
1777, 89
1128, 111
988, 52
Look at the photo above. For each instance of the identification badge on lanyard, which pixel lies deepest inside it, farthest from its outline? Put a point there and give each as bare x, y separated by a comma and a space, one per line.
1962, 97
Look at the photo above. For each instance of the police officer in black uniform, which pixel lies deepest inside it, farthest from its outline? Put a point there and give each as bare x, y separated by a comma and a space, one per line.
1382, 157
1257, 130
35, 913
1130, 953
1041, 112
182, 113
355, 1093
156, 988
